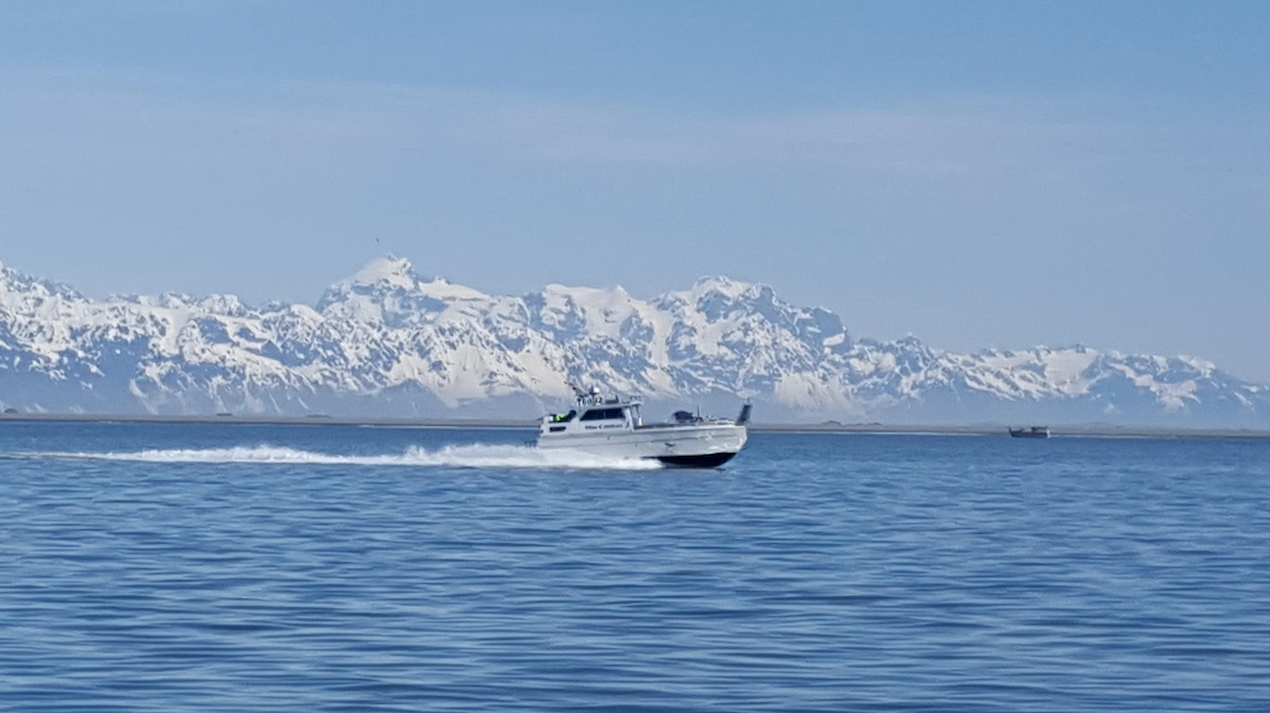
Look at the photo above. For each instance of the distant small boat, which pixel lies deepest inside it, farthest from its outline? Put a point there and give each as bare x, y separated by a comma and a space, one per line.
1033, 432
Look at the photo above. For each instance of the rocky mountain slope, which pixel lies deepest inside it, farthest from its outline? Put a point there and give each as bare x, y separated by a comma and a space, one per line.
388, 342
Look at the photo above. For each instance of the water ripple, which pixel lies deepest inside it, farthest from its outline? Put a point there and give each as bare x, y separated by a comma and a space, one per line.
322, 572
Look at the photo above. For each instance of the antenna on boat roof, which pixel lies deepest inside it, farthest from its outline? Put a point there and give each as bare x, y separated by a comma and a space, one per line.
590, 396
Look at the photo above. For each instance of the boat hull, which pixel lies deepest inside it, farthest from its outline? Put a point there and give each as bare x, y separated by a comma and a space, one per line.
1029, 434
713, 460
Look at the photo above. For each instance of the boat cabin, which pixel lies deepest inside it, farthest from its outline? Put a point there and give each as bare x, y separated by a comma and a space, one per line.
593, 414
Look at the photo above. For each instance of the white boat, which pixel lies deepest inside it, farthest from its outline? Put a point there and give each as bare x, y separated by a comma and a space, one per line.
614, 427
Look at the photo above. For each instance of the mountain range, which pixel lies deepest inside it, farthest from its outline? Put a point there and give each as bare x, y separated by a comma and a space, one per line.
389, 342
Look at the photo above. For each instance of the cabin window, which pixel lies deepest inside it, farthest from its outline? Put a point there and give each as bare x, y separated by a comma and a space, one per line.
602, 414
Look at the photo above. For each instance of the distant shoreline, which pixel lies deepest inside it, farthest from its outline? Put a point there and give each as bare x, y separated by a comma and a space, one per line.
1075, 430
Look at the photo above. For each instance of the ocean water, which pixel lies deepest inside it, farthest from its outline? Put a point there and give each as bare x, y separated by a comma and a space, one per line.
324, 568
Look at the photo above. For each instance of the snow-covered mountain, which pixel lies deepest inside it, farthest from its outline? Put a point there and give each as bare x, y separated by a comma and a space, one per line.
388, 342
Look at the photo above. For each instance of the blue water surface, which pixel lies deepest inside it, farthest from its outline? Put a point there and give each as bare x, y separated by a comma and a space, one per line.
181, 567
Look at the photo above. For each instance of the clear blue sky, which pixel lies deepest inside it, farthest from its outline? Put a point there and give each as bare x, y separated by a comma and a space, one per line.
977, 174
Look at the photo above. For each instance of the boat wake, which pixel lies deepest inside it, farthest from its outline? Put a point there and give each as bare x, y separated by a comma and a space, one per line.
468, 456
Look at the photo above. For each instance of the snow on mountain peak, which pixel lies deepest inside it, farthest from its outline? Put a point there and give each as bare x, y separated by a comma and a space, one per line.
721, 284
588, 297
398, 274
18, 284
396, 271
442, 289
711, 292
605, 311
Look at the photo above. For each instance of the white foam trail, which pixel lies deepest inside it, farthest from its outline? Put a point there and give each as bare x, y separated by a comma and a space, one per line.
469, 456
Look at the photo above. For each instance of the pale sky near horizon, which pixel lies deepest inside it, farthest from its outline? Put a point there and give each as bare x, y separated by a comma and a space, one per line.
975, 173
